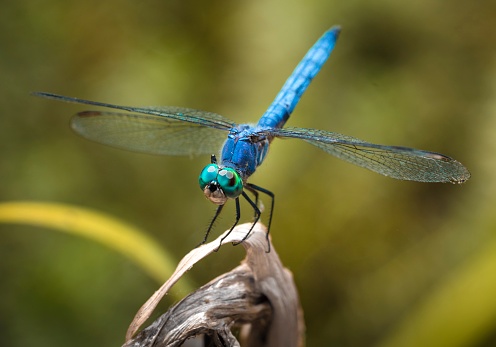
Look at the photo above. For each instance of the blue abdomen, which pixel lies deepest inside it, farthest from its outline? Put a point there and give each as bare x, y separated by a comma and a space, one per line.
283, 105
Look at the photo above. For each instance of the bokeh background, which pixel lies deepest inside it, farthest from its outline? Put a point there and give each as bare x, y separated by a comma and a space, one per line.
374, 259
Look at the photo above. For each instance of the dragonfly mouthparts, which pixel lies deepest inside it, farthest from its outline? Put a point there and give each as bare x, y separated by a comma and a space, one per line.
214, 193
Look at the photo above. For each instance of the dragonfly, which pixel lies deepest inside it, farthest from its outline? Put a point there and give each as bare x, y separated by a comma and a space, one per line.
183, 131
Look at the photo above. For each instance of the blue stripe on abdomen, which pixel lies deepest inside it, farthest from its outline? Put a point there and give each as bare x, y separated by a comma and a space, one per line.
283, 105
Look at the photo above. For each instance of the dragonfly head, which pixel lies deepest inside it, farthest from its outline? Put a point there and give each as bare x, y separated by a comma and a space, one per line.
219, 184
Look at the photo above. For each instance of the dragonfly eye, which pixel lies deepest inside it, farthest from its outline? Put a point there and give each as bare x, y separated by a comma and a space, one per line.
211, 188
220, 184
230, 182
208, 174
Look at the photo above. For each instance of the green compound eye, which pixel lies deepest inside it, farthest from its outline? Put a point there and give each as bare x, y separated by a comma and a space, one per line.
208, 174
218, 182
230, 182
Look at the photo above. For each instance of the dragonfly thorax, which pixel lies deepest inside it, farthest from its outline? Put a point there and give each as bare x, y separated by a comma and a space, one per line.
245, 149
220, 183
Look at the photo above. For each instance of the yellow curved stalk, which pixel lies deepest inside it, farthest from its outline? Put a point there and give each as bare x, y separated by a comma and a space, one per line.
98, 227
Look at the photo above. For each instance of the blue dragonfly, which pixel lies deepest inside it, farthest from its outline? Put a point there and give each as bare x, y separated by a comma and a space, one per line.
182, 131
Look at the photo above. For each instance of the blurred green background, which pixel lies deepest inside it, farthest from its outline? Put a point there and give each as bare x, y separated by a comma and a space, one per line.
378, 262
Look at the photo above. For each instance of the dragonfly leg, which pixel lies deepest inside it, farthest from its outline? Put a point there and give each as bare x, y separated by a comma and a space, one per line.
255, 189
257, 217
238, 215
255, 193
217, 213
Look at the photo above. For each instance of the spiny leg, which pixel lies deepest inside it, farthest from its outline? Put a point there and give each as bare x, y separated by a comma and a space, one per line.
255, 193
254, 188
257, 217
238, 215
217, 213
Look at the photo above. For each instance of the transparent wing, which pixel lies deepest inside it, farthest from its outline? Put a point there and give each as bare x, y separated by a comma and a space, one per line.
148, 133
397, 162
155, 130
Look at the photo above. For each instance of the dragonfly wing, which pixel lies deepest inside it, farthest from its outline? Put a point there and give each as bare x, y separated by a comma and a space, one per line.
397, 162
155, 130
